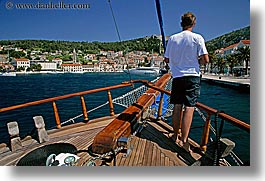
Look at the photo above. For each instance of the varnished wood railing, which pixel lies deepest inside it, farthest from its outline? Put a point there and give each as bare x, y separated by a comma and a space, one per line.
83, 104
240, 124
122, 126
210, 113
225, 117
206, 130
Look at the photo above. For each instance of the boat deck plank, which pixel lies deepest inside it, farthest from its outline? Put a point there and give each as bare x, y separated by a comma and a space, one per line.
150, 147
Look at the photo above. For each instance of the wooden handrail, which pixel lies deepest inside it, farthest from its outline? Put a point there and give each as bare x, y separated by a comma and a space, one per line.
81, 94
210, 111
240, 124
64, 97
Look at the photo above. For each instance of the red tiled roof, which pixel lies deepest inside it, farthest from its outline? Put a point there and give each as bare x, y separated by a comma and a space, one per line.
245, 41
22, 59
230, 46
236, 44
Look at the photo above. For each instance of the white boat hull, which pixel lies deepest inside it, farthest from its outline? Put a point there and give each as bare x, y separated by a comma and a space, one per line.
143, 70
8, 74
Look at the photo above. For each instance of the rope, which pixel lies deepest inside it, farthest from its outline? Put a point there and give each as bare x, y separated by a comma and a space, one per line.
80, 115
204, 119
125, 100
118, 33
236, 159
114, 19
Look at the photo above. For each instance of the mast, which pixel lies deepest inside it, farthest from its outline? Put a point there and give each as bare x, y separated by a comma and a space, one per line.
160, 19
163, 66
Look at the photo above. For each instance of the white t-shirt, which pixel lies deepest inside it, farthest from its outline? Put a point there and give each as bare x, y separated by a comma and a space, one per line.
183, 50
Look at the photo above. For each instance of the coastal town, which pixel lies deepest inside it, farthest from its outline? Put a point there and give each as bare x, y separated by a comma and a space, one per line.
105, 61
76, 61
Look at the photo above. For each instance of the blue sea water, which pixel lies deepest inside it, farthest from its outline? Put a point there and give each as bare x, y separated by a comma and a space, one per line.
32, 87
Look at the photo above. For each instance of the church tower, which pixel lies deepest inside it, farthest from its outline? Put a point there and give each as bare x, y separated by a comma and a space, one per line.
74, 57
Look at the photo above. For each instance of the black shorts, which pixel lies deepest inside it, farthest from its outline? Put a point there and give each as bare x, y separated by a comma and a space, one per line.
185, 90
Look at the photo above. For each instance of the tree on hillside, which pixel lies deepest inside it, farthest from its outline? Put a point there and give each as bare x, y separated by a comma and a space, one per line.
244, 56
228, 39
17, 54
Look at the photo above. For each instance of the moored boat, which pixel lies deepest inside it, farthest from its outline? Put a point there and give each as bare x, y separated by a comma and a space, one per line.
143, 70
8, 74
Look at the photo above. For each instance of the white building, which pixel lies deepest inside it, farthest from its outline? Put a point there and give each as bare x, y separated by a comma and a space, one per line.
52, 66
58, 61
21, 62
72, 68
233, 48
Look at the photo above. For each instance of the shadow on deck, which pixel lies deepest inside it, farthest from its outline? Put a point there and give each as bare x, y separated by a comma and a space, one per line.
151, 147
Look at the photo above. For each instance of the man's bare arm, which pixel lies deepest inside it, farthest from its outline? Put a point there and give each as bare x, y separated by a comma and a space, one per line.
204, 59
166, 60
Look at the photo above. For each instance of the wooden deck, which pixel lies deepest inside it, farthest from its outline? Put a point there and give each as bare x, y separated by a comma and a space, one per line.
151, 147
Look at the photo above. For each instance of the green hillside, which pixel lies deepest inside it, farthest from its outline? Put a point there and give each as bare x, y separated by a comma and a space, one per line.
142, 44
228, 39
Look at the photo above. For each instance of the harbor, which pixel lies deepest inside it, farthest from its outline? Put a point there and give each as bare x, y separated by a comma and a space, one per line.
238, 83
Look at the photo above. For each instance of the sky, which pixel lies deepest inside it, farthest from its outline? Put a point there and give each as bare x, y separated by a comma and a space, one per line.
134, 18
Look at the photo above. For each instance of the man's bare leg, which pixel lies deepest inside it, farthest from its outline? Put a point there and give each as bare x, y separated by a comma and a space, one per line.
186, 124
176, 119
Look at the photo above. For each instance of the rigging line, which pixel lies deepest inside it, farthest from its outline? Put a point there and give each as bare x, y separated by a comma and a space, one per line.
118, 33
116, 26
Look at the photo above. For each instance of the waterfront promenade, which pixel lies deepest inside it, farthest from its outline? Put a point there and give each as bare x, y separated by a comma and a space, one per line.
225, 78
242, 83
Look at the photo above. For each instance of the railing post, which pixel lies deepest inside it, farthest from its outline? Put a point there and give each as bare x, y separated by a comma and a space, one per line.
160, 108
206, 132
84, 108
111, 108
56, 115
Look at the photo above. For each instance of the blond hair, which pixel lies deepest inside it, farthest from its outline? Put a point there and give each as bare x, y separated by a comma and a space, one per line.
188, 20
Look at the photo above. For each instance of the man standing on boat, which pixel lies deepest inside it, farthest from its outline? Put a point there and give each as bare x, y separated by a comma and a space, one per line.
185, 52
